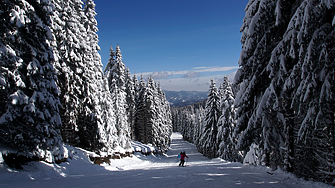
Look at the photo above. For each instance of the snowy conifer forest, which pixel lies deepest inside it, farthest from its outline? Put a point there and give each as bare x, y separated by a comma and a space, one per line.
55, 92
282, 114
277, 112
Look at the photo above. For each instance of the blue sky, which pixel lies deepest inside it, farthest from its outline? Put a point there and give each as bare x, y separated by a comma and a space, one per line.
182, 43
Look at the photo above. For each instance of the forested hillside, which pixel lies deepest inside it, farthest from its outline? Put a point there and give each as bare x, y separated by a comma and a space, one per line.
55, 92
184, 98
283, 114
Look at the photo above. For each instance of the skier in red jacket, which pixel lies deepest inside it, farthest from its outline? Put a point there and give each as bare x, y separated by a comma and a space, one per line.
182, 158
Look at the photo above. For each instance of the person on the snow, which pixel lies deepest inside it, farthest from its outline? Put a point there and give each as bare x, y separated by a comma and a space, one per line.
182, 158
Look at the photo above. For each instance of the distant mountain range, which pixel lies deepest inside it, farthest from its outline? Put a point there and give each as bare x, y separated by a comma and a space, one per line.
183, 98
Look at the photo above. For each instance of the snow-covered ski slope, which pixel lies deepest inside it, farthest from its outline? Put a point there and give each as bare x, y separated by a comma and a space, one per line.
150, 171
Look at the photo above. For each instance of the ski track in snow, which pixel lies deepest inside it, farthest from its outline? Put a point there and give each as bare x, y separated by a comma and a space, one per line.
151, 171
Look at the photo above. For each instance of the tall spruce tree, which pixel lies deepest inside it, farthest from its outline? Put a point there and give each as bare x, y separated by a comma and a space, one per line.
87, 122
31, 121
305, 58
130, 98
97, 125
166, 118
116, 75
159, 124
207, 143
189, 121
68, 48
287, 111
152, 126
141, 115
152, 121
226, 124
261, 32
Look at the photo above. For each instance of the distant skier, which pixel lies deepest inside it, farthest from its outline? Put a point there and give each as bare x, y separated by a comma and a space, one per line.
182, 158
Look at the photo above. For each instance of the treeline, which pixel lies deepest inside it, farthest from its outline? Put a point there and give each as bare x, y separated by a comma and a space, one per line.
210, 124
53, 89
284, 109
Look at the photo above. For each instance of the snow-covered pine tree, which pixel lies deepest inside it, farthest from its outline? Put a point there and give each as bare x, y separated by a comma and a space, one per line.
199, 126
31, 121
185, 122
92, 29
107, 131
181, 121
306, 55
176, 119
83, 89
116, 72
221, 91
69, 38
130, 98
156, 121
288, 115
174, 114
97, 130
261, 31
152, 103
207, 143
188, 121
109, 66
278, 132
181, 116
164, 113
226, 124
136, 86
87, 123
317, 89
141, 115
153, 122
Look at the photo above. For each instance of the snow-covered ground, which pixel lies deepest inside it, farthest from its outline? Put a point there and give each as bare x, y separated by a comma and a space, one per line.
149, 171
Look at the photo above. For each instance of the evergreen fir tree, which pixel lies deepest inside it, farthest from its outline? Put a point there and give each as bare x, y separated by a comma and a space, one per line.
153, 116
165, 115
285, 90
130, 98
189, 120
83, 91
200, 122
141, 115
153, 128
226, 124
116, 72
68, 48
261, 32
136, 85
97, 125
31, 120
162, 129
207, 143
306, 61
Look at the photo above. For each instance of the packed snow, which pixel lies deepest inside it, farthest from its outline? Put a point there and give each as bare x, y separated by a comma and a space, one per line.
149, 171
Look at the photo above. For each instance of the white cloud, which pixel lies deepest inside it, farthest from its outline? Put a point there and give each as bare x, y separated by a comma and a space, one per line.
191, 74
159, 75
179, 84
192, 84
197, 79
213, 69
195, 69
